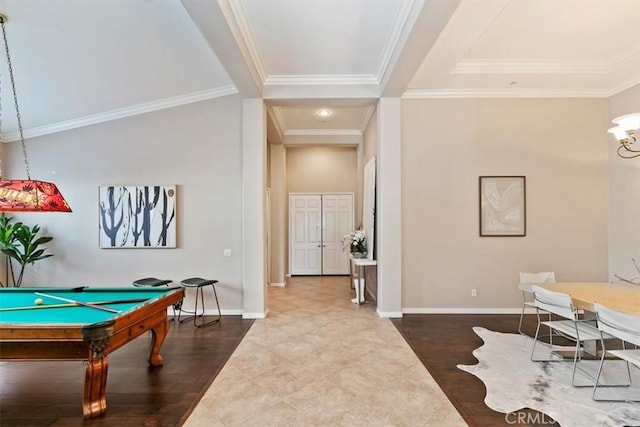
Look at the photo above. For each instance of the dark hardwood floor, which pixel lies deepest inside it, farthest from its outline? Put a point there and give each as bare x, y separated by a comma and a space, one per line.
444, 341
50, 393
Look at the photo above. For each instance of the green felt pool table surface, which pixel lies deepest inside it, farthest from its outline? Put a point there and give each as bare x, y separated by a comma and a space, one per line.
18, 306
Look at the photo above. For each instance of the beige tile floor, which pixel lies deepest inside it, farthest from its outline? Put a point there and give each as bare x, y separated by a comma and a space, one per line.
319, 360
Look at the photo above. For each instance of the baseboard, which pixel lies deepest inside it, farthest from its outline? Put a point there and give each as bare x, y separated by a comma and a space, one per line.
278, 285
237, 312
389, 314
465, 310
255, 315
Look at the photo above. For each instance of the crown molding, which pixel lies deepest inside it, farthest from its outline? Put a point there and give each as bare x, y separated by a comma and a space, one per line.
367, 117
322, 79
624, 85
241, 30
278, 120
120, 113
323, 132
504, 93
396, 39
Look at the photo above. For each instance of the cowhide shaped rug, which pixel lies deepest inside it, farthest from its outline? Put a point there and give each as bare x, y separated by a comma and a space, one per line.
514, 382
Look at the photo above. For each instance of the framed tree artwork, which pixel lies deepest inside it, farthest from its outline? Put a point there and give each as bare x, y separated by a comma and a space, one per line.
502, 206
137, 216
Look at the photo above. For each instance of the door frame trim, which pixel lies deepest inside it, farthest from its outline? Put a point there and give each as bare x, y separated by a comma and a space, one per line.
312, 193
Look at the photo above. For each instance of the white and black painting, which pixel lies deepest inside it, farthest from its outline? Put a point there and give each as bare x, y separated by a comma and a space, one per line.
137, 216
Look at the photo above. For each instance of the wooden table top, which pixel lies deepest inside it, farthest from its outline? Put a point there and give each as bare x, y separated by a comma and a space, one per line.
621, 297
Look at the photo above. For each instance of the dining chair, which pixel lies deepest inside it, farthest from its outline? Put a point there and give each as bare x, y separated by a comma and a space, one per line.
625, 327
568, 325
526, 281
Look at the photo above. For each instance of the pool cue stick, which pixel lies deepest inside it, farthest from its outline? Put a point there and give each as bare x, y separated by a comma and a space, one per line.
35, 307
97, 307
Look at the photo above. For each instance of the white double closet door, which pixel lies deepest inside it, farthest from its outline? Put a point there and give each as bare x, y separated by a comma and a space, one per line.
317, 223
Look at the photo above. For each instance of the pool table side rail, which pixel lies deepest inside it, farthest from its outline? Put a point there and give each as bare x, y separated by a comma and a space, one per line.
72, 342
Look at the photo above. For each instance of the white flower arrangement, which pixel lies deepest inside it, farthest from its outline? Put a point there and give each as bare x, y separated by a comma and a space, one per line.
354, 242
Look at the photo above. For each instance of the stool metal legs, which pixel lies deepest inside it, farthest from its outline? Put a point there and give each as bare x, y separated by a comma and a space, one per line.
199, 285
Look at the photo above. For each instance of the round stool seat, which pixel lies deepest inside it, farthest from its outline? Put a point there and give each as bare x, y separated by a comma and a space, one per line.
151, 281
199, 283
194, 282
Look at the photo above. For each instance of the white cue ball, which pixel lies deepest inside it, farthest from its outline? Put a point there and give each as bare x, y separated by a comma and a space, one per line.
38, 301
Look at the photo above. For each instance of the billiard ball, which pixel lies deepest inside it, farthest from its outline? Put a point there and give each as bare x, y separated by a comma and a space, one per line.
38, 301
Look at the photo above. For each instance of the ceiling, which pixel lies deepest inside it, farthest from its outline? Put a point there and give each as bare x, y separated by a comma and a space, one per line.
78, 63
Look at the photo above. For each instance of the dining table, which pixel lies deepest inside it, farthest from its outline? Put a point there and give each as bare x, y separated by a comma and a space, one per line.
617, 296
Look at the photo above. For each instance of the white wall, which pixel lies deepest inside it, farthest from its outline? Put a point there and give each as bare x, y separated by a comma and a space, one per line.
196, 146
369, 146
624, 189
560, 145
279, 203
389, 205
254, 187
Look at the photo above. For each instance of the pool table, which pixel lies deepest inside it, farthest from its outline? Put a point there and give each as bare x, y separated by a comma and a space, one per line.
52, 329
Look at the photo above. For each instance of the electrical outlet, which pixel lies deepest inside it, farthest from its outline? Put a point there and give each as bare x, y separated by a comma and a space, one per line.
474, 292
227, 252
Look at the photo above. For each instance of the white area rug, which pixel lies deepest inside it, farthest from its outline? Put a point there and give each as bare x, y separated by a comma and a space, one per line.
514, 382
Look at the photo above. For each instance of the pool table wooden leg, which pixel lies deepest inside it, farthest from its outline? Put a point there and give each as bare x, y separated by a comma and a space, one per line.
94, 401
158, 335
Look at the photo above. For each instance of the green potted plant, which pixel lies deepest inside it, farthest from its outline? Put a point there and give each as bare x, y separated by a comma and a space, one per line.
22, 244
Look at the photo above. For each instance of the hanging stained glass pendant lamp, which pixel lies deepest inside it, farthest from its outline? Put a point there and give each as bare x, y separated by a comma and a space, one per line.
26, 195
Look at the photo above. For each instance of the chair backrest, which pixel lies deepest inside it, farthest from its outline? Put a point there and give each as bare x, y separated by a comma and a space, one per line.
528, 279
621, 325
554, 302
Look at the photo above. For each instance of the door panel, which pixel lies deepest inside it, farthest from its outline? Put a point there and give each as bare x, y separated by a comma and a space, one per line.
317, 224
306, 234
337, 211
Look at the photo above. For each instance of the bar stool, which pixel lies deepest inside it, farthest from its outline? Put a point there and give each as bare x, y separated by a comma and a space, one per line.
199, 284
153, 282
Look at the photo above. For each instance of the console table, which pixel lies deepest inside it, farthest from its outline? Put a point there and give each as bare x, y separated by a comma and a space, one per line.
360, 263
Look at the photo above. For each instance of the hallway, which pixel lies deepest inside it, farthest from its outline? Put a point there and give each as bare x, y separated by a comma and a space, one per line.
318, 359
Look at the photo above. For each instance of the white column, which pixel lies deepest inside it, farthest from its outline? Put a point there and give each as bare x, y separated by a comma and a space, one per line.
278, 214
389, 208
254, 162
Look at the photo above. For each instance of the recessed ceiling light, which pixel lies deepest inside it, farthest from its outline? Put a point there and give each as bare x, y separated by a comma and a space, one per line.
324, 113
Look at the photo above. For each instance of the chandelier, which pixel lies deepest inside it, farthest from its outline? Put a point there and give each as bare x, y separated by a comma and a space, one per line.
26, 195
625, 132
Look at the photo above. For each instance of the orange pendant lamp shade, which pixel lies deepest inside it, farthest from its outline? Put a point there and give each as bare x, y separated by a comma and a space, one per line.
31, 196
